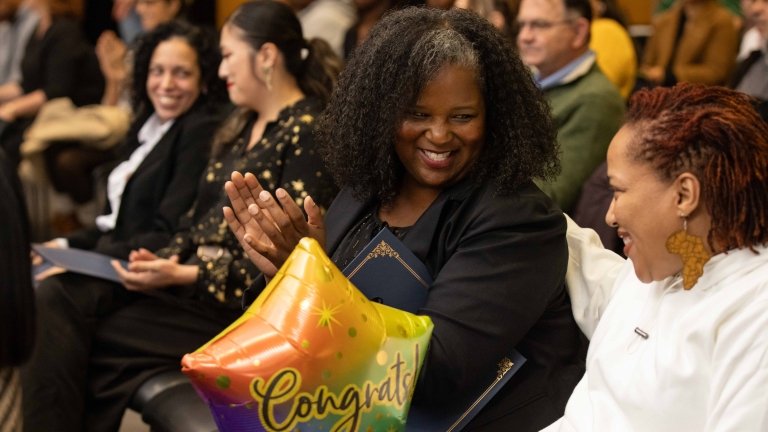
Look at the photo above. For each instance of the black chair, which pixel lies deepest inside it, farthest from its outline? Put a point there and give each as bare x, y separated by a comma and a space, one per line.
168, 403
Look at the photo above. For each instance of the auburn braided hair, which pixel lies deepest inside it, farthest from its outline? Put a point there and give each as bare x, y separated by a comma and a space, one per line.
717, 135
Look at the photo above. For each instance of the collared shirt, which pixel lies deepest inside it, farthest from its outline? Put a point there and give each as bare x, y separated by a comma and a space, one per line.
13, 41
576, 68
699, 361
150, 134
751, 41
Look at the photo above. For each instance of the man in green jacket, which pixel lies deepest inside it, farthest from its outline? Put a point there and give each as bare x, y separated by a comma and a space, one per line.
553, 40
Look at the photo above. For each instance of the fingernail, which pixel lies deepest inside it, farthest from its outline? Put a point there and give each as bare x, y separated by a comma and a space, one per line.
281, 193
253, 209
264, 196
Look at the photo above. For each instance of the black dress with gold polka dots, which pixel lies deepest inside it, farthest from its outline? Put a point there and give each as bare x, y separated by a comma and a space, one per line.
284, 157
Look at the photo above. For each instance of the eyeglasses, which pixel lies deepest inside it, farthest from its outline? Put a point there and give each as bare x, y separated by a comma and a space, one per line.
540, 25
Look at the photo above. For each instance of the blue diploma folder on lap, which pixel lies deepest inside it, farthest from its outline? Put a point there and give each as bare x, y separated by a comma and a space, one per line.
78, 261
388, 272
456, 416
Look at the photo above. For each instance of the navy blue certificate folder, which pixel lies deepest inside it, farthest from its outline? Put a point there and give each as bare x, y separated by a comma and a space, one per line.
388, 272
78, 261
457, 415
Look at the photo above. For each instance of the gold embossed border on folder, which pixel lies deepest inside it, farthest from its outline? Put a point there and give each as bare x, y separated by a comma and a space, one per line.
383, 249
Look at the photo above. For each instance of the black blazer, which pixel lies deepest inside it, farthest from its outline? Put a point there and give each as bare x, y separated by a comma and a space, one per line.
160, 191
498, 264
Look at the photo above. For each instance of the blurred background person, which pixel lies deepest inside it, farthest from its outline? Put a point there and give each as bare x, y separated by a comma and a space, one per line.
152, 13
613, 46
17, 22
369, 12
735, 7
17, 311
112, 51
683, 319
325, 19
751, 74
751, 39
57, 62
128, 23
72, 163
500, 13
177, 98
694, 41
553, 39
71, 171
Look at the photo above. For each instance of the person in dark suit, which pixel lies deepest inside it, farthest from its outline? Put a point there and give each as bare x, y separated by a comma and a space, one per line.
177, 99
445, 159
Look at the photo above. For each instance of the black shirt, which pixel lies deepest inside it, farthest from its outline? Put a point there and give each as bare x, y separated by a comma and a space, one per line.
62, 64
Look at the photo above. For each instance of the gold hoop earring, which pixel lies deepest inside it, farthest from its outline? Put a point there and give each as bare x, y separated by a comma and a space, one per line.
267, 70
691, 250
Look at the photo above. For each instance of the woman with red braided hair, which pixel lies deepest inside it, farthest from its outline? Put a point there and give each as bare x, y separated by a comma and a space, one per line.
677, 332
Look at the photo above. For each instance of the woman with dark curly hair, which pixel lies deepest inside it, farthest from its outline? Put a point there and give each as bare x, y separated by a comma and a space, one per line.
70, 165
436, 131
678, 331
177, 98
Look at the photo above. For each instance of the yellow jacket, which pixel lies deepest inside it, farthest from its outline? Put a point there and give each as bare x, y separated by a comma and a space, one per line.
615, 54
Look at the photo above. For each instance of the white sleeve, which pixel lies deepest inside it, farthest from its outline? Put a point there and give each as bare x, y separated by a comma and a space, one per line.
592, 273
739, 387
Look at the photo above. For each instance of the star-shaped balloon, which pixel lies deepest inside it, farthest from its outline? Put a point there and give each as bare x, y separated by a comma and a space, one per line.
312, 353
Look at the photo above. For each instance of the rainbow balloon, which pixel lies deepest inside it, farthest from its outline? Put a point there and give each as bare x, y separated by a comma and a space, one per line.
312, 354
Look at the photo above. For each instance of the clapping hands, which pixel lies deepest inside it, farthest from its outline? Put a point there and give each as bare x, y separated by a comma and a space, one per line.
269, 227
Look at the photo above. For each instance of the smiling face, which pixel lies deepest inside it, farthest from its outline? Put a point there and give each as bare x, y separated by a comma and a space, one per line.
644, 208
238, 63
442, 135
173, 80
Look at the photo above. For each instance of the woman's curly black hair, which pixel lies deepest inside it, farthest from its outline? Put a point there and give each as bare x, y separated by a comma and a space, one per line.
384, 78
205, 43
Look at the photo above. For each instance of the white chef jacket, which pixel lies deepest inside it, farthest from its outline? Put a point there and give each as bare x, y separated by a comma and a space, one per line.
704, 363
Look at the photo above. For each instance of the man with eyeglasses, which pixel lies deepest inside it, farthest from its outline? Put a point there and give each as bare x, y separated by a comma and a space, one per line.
553, 39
